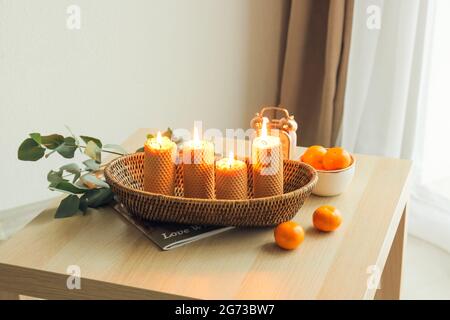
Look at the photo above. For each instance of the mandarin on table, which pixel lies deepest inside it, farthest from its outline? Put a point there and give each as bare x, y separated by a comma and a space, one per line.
314, 157
327, 218
289, 235
336, 159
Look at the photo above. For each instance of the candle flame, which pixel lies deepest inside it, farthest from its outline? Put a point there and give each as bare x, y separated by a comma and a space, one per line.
230, 159
196, 138
159, 139
264, 127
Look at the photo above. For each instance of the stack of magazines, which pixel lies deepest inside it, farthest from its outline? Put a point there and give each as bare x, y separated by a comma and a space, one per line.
169, 236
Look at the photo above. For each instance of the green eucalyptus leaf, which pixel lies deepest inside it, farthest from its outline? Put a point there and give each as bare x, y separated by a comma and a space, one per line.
141, 149
93, 151
72, 134
91, 165
55, 177
76, 176
98, 197
115, 147
168, 133
68, 207
36, 137
30, 150
77, 141
67, 187
94, 180
71, 167
83, 206
74, 169
68, 148
87, 139
52, 141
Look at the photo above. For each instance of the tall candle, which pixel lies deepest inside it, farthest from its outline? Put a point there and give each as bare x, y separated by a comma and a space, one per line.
159, 165
267, 161
231, 179
198, 168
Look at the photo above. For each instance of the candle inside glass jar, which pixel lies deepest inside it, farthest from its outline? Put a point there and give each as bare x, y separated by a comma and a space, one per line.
159, 165
198, 168
267, 162
231, 179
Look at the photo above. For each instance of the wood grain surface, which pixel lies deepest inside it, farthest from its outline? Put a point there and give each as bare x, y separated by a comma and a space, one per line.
117, 261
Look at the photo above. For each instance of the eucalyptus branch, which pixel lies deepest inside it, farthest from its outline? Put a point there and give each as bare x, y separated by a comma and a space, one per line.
94, 191
106, 151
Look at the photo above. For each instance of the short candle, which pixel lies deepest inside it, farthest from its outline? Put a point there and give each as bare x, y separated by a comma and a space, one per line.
198, 168
267, 161
159, 165
231, 179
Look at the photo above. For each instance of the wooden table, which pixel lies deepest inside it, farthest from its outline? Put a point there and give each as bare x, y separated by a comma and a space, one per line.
117, 261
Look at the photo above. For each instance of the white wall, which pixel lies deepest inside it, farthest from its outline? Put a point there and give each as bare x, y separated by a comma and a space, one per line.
134, 63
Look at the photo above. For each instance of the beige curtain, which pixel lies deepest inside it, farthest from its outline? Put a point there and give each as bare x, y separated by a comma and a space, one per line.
315, 67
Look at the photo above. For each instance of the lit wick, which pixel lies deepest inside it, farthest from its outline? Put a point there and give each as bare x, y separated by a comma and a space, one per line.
196, 139
263, 135
230, 159
265, 121
159, 139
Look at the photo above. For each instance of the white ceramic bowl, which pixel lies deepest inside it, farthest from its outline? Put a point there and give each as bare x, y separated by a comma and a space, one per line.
333, 183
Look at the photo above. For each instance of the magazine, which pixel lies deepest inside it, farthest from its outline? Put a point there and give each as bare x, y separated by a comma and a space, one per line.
169, 236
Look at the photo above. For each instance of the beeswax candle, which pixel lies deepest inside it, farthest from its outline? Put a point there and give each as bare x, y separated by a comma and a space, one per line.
267, 161
231, 179
159, 165
198, 168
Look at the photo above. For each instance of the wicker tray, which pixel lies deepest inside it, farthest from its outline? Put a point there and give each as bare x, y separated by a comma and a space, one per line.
125, 176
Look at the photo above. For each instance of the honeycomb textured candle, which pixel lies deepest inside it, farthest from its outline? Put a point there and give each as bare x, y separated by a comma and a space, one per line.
159, 166
267, 161
198, 170
231, 179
